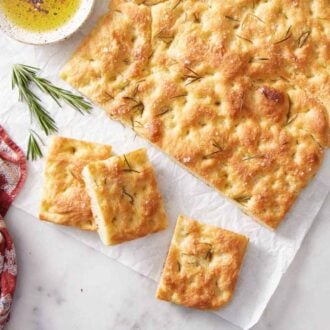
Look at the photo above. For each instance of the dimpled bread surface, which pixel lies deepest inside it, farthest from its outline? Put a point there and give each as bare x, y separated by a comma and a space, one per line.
202, 266
236, 91
64, 199
126, 202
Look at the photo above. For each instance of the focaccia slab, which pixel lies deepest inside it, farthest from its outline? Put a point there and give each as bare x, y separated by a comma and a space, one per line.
126, 202
64, 199
202, 266
225, 88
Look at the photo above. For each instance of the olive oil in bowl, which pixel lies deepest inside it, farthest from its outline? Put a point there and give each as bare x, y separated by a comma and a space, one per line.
39, 15
41, 22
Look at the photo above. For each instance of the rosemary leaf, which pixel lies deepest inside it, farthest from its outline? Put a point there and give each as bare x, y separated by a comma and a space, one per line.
177, 4
129, 167
258, 59
243, 38
231, 18
34, 152
303, 38
242, 199
287, 36
131, 198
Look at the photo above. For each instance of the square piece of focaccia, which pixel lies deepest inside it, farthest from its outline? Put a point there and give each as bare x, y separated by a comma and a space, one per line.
227, 88
64, 199
202, 266
126, 202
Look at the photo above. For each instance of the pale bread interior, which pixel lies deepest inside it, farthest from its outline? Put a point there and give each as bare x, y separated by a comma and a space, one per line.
100, 222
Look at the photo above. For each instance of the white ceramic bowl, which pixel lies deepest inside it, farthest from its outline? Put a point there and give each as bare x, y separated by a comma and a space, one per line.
42, 38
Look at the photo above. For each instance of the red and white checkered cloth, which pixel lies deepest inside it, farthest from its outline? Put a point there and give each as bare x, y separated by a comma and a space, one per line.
12, 177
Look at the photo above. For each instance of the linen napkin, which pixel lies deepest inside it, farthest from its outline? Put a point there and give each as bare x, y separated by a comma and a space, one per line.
12, 177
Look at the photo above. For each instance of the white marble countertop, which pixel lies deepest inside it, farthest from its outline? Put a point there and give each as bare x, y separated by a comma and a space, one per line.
63, 284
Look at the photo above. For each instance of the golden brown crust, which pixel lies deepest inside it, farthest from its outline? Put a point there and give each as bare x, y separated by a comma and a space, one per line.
126, 202
64, 200
202, 265
226, 88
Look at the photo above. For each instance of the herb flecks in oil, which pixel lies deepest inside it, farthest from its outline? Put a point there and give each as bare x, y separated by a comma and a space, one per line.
38, 15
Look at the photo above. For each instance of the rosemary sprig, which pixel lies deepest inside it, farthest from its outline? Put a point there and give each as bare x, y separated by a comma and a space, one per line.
22, 78
192, 76
164, 111
138, 105
37, 111
218, 148
29, 74
129, 167
108, 96
131, 198
287, 36
34, 151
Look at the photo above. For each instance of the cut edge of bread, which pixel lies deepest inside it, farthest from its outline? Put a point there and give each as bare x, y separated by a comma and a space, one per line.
101, 226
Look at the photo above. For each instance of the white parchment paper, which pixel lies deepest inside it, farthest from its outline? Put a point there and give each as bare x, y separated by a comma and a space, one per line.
269, 253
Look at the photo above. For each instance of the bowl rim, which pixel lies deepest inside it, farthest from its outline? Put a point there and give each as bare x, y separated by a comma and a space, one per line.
52, 36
